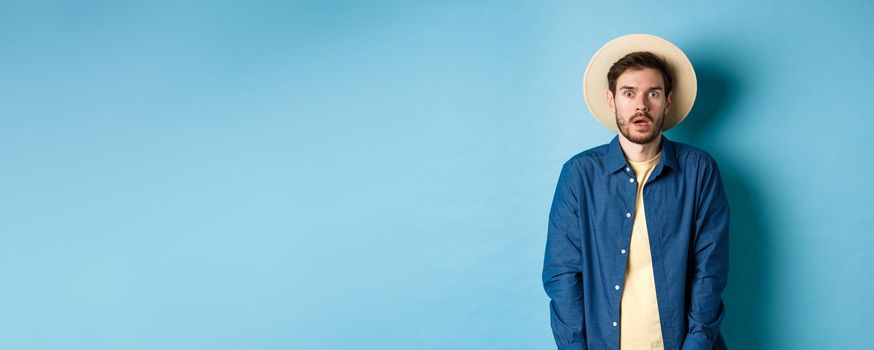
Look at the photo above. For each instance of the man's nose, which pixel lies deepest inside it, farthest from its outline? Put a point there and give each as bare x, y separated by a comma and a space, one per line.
642, 103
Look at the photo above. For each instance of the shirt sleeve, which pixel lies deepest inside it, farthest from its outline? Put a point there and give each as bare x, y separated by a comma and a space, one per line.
710, 266
562, 270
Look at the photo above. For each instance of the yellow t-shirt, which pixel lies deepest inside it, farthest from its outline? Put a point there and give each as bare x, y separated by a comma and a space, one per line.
639, 310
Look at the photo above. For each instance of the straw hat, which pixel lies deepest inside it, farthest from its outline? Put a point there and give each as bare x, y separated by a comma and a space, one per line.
595, 79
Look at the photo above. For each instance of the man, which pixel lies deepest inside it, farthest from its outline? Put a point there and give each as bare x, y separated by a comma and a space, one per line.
637, 242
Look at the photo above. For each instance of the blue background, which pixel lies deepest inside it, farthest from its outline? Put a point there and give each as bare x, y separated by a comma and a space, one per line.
377, 175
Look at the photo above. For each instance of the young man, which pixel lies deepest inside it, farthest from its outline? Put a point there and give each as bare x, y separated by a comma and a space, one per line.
637, 242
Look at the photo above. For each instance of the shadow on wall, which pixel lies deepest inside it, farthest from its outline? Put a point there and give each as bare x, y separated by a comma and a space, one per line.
746, 299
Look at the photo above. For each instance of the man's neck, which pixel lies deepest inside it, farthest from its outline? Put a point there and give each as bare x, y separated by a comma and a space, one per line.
639, 153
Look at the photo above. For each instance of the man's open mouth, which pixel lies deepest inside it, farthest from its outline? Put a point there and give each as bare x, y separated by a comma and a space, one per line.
640, 121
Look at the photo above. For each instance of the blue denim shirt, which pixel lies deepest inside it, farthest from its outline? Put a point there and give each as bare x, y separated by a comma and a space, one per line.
687, 217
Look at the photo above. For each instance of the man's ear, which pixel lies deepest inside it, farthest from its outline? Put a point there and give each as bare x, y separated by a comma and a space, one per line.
668, 104
610, 103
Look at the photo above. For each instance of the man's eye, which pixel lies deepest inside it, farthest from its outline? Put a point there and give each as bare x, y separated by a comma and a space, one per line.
654, 94
628, 94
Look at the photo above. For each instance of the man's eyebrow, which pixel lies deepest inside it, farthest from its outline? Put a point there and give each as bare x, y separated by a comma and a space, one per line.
627, 87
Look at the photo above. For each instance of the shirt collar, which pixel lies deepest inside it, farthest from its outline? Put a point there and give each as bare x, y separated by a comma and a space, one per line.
616, 158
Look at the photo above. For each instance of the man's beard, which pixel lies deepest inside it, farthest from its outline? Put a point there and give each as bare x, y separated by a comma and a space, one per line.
624, 128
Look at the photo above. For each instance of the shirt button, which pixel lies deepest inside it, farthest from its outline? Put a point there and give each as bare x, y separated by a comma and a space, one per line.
614, 323
628, 215
631, 180
616, 287
622, 251
627, 169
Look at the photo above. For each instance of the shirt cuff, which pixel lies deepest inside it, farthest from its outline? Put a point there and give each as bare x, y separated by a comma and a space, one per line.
697, 342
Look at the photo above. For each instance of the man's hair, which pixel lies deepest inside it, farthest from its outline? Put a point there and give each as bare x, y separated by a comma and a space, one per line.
640, 60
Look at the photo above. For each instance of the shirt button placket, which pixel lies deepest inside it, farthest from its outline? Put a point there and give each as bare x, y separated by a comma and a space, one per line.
623, 251
627, 215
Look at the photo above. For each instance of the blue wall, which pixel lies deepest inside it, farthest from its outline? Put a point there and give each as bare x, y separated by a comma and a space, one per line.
377, 175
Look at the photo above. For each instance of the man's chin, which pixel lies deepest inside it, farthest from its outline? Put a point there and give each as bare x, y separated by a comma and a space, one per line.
641, 138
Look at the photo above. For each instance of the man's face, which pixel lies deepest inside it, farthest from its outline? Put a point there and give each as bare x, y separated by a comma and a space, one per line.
640, 104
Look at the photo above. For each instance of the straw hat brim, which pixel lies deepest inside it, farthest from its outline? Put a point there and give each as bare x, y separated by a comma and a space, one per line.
685, 87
